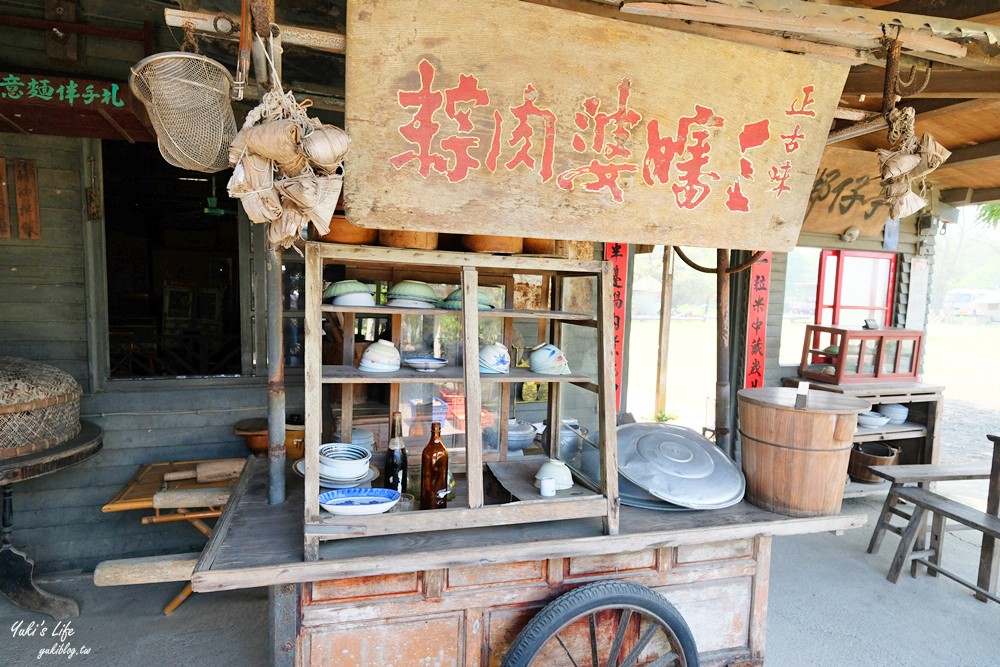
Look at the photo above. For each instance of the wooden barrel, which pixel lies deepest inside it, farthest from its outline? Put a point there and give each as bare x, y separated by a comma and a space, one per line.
402, 239
795, 460
502, 245
341, 231
867, 454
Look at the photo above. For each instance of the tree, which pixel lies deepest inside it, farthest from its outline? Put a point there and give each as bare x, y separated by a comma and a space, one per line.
989, 215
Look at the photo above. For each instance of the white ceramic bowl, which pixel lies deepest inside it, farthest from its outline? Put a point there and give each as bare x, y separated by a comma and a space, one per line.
454, 300
549, 359
354, 299
360, 437
495, 357
425, 364
872, 419
342, 287
896, 412
343, 462
413, 289
381, 356
558, 471
409, 303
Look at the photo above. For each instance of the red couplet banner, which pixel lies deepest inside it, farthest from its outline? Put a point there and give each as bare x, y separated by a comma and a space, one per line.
617, 254
760, 288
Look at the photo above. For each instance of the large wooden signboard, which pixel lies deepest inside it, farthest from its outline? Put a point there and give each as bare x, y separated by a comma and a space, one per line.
503, 117
847, 193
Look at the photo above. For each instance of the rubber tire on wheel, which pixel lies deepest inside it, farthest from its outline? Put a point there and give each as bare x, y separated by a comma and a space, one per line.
602, 594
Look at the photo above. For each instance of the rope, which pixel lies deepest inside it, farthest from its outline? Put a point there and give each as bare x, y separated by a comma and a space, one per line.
190, 44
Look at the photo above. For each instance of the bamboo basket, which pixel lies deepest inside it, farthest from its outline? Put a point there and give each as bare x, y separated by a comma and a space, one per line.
795, 460
39, 407
403, 239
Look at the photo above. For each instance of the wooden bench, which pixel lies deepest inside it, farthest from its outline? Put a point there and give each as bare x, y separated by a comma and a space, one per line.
922, 475
943, 508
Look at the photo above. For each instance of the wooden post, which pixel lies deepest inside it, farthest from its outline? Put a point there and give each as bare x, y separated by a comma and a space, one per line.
473, 389
988, 554
722, 361
606, 382
666, 305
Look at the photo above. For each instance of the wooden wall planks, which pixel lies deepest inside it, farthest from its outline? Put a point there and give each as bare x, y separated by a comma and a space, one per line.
4, 203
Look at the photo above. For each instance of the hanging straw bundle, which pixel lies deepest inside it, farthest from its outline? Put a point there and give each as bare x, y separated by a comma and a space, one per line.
253, 184
285, 230
316, 197
326, 147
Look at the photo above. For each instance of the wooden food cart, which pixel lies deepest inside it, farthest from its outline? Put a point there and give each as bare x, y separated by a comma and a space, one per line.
458, 128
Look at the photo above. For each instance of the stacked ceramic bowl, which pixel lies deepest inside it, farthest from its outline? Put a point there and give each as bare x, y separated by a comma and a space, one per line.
412, 294
344, 463
520, 435
494, 358
895, 412
380, 357
454, 300
547, 358
361, 437
872, 419
349, 293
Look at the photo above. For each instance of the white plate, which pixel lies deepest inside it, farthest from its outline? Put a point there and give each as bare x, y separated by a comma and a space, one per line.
358, 501
326, 483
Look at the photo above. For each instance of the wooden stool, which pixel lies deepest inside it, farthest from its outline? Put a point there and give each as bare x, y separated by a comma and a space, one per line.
922, 475
943, 508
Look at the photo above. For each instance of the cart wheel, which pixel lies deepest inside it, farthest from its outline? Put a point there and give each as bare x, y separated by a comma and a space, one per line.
605, 624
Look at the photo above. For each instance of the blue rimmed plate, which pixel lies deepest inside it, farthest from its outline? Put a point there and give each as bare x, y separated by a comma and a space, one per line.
358, 501
425, 364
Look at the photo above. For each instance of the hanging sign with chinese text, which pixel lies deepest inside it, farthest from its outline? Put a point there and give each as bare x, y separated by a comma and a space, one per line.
59, 91
760, 291
504, 117
847, 193
617, 254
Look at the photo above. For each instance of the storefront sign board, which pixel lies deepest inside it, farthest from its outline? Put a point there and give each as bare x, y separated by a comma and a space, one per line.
504, 117
847, 193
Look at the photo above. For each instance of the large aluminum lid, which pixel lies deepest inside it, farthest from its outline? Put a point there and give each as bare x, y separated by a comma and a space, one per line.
678, 465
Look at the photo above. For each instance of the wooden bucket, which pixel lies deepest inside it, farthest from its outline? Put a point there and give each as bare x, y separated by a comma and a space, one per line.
795, 460
341, 231
504, 245
867, 454
539, 246
395, 238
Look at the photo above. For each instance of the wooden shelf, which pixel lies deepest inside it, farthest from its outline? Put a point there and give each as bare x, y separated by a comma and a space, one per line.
376, 311
890, 432
351, 375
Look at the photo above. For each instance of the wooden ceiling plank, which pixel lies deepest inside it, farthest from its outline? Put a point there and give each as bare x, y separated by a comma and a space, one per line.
961, 196
958, 84
851, 33
984, 152
964, 10
206, 22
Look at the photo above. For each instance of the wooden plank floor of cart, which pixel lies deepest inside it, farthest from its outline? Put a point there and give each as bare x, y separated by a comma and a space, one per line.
483, 584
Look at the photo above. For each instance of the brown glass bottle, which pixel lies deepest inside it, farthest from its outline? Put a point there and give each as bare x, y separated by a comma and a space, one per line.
434, 472
395, 456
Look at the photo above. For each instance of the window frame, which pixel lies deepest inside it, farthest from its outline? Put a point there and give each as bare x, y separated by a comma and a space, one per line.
836, 307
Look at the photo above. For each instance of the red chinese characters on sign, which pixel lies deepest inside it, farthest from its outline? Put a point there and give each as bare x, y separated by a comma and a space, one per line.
690, 190
756, 353
617, 254
611, 134
450, 135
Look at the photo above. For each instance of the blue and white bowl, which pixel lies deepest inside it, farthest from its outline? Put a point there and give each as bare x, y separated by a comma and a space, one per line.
425, 364
358, 501
494, 358
896, 412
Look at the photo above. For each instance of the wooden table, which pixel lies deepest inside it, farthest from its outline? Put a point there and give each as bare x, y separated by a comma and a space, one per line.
387, 599
16, 568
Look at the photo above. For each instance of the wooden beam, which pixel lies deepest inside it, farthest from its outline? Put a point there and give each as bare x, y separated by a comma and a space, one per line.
984, 152
965, 196
953, 84
965, 10
877, 123
851, 33
209, 24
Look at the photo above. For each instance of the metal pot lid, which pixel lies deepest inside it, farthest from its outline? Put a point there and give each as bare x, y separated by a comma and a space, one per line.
520, 429
635, 496
679, 465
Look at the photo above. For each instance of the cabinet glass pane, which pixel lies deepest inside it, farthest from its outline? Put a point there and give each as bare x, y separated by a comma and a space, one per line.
870, 352
422, 404
853, 355
889, 356
294, 331
906, 356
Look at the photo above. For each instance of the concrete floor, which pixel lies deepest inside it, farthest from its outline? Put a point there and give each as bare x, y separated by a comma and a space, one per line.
830, 605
